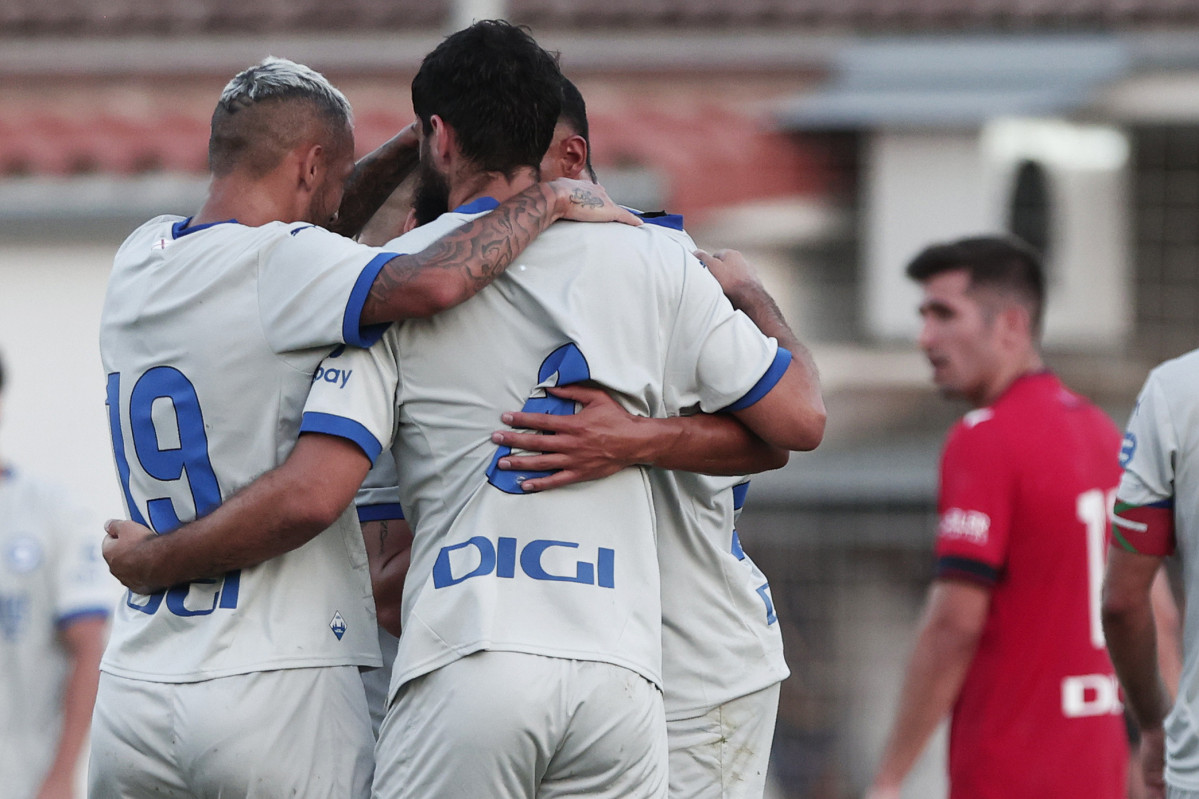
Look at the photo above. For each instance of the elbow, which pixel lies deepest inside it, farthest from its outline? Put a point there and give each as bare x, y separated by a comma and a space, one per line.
807, 431
316, 512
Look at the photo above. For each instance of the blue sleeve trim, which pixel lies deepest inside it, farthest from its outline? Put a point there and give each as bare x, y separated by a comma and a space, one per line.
1166, 504
663, 219
352, 331
782, 359
739, 492
965, 568
377, 513
67, 619
330, 425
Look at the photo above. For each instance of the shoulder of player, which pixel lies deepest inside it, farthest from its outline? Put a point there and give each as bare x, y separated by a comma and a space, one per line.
1179, 372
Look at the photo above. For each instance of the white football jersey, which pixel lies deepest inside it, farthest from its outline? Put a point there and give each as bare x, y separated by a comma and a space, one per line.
51, 573
1160, 457
572, 572
720, 635
211, 337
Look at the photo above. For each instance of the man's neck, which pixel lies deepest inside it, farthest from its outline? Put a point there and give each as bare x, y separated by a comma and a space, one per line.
251, 201
468, 188
1003, 380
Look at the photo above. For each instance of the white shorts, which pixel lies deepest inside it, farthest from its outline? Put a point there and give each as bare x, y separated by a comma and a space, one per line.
507, 725
377, 682
723, 754
267, 735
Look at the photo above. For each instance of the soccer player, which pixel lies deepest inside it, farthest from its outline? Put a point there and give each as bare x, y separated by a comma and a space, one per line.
1156, 515
531, 621
1010, 639
722, 651
55, 599
246, 682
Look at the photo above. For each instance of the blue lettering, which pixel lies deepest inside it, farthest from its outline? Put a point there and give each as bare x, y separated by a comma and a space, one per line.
443, 574
177, 599
501, 559
337, 377
530, 563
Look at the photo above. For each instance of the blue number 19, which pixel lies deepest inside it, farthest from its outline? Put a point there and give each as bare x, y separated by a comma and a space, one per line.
168, 464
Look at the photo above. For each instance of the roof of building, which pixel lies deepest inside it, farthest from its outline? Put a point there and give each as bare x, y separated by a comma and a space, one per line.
126, 17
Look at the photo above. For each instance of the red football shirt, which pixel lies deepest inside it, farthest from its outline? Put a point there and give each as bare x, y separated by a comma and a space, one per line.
1026, 486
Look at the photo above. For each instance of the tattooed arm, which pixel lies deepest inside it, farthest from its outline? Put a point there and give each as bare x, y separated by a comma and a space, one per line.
375, 177
388, 550
454, 268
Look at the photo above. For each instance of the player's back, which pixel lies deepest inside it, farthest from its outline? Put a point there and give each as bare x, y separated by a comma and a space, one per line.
1040, 699
208, 368
570, 572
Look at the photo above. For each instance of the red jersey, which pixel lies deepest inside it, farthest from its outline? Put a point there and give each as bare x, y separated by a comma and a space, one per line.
1026, 487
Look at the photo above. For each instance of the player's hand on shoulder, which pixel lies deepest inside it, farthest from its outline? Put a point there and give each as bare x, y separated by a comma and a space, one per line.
583, 201
731, 269
121, 552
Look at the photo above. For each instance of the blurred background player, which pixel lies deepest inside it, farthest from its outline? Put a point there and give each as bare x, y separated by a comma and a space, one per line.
1011, 640
212, 331
1156, 515
55, 600
722, 652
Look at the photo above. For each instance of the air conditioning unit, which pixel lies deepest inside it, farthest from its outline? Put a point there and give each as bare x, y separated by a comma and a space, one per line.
1063, 187
1060, 185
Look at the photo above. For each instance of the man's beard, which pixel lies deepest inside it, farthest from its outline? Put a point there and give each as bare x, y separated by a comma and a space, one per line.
432, 196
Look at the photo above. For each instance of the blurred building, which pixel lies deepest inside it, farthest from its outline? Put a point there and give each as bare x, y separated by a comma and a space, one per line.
829, 139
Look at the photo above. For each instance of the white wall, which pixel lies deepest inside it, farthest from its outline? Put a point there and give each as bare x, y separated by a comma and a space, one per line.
919, 187
53, 421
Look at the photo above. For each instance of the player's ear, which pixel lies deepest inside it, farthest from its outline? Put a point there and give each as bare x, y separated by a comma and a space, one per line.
573, 157
312, 165
442, 142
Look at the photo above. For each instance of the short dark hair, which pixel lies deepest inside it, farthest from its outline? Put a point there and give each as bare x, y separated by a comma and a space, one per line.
499, 91
574, 113
263, 112
1000, 262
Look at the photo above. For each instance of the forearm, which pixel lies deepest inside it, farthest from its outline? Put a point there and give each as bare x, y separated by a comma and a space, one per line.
84, 639
1132, 643
375, 177
460, 264
705, 443
943, 652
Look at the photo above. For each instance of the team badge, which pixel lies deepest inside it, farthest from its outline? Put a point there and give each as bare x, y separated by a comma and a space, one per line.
23, 555
338, 625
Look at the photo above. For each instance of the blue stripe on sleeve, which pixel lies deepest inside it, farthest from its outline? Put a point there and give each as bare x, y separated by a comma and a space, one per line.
67, 619
377, 513
739, 492
327, 423
782, 359
351, 327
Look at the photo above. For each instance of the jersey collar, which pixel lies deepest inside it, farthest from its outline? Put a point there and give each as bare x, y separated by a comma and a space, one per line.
478, 206
181, 228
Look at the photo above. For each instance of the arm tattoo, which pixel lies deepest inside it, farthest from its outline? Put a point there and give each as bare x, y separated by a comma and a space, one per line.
383, 531
476, 253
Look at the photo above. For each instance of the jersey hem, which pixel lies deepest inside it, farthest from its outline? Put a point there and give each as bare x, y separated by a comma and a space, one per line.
400, 678
233, 671
695, 710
